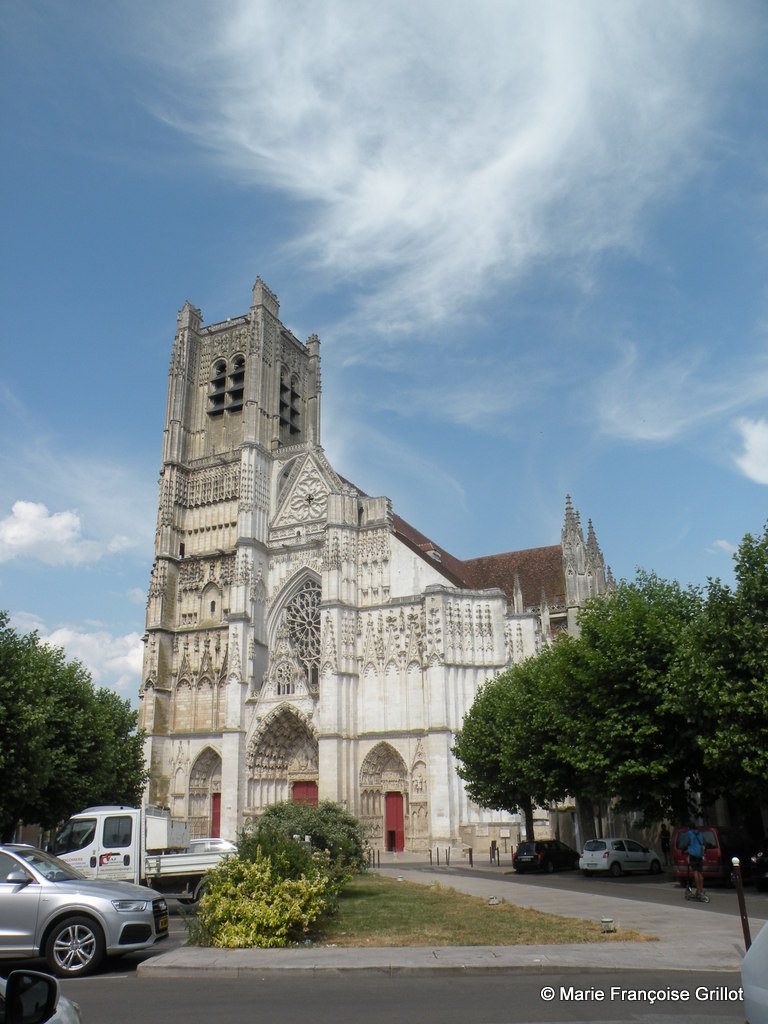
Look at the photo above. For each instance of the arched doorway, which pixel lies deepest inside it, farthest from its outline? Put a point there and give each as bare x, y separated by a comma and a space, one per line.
384, 797
205, 795
281, 756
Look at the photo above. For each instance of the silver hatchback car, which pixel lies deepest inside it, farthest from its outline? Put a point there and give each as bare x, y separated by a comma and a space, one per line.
49, 909
617, 856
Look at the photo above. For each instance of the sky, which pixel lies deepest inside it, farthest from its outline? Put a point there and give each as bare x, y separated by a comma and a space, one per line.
531, 236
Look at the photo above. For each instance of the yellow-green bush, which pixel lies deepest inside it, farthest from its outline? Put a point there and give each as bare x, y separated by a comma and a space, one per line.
246, 903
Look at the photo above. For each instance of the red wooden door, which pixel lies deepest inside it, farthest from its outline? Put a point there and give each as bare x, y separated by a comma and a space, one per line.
216, 815
394, 828
305, 793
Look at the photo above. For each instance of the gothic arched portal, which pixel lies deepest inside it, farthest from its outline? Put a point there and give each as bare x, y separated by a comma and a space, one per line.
205, 794
384, 796
283, 752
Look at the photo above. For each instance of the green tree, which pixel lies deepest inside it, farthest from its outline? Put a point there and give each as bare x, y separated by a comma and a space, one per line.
722, 681
24, 767
505, 741
626, 738
591, 716
63, 744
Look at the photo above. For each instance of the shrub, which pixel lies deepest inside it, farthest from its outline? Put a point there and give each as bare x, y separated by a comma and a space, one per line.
330, 828
247, 903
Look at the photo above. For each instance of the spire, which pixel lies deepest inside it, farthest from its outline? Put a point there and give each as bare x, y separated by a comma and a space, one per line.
518, 594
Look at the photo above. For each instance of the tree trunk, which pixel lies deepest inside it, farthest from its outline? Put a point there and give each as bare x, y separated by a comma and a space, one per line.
527, 810
586, 818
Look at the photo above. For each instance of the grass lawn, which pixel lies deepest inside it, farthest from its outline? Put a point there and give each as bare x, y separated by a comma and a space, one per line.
379, 911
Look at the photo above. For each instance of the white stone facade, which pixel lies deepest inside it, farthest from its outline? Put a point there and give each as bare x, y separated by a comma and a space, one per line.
302, 640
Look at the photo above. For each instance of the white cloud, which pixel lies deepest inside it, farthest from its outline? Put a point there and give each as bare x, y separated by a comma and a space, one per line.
753, 461
441, 154
719, 546
55, 538
136, 595
113, 661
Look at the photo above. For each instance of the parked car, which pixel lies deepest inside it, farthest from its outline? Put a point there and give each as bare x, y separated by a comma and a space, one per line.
211, 845
29, 997
618, 856
754, 979
49, 909
544, 855
759, 866
721, 845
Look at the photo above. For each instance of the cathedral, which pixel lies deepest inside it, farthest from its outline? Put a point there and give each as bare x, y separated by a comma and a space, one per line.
303, 642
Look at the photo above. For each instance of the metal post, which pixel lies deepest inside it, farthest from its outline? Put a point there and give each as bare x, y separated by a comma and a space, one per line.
430, 857
470, 858
437, 851
742, 905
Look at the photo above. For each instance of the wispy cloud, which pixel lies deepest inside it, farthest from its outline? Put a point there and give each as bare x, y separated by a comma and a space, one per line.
655, 398
720, 547
440, 155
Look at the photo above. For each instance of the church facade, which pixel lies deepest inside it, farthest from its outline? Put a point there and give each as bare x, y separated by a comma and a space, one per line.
302, 640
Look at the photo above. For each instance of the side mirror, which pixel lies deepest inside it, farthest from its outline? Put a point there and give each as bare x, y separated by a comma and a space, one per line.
17, 877
30, 997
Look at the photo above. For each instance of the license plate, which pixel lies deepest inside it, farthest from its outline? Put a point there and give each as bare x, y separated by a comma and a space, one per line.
526, 856
162, 924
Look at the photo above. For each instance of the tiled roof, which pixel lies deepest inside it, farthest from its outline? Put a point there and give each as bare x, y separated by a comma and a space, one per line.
537, 569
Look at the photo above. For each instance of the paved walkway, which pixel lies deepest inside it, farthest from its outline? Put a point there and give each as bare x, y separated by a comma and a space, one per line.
719, 943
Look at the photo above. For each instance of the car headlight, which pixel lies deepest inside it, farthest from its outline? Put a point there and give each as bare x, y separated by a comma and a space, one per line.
129, 906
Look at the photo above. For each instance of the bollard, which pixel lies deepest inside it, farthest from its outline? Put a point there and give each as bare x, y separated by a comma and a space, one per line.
378, 858
448, 856
470, 858
430, 858
742, 905
437, 854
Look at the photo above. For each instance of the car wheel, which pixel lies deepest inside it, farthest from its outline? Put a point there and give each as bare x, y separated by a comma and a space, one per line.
655, 867
549, 867
615, 869
75, 947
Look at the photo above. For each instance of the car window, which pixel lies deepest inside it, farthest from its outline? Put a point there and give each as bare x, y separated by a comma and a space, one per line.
117, 830
55, 870
594, 844
76, 834
617, 844
709, 837
526, 848
7, 865
633, 846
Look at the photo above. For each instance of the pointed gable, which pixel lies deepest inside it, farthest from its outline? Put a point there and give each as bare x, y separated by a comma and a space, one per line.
304, 498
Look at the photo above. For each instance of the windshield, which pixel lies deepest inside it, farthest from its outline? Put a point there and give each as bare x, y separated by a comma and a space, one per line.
55, 870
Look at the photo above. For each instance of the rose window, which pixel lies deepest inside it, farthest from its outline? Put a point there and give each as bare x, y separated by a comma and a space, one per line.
302, 616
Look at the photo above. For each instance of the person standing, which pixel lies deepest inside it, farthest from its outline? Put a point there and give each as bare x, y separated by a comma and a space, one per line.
696, 858
664, 837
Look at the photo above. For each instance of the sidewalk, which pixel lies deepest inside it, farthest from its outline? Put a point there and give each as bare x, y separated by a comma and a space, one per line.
718, 947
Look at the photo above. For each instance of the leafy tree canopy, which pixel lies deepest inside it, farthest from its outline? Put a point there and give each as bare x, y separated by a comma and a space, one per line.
63, 744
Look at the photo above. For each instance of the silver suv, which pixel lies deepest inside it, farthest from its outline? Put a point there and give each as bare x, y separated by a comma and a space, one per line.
49, 909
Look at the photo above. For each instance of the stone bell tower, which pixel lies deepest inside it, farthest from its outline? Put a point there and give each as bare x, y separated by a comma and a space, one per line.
240, 393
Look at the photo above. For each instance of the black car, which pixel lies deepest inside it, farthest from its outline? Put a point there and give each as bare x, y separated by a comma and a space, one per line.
760, 866
545, 855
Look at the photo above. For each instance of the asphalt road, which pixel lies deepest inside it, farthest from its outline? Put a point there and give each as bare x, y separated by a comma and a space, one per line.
343, 998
